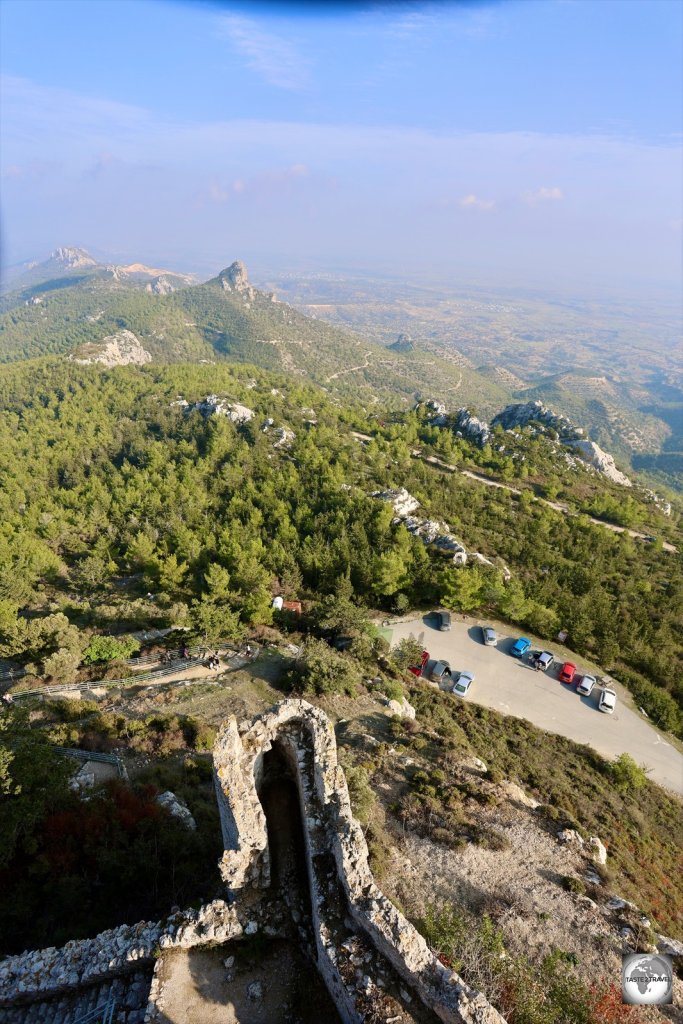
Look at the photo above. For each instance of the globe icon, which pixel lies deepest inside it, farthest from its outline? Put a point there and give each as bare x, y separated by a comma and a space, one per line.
647, 979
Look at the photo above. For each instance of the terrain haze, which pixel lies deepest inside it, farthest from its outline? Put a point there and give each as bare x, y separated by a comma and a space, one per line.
507, 143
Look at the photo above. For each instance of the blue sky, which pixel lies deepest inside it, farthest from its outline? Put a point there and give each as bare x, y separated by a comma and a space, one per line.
501, 140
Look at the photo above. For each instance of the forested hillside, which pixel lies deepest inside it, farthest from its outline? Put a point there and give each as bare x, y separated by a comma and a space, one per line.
121, 508
211, 323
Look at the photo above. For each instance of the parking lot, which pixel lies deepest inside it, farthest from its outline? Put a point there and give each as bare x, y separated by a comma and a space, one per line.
515, 688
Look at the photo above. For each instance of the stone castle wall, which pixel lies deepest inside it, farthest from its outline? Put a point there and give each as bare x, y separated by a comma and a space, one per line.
328, 824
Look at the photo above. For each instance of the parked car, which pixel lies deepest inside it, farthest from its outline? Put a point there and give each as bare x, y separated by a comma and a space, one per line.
463, 683
520, 647
543, 661
608, 700
585, 687
441, 669
417, 670
567, 672
444, 621
489, 636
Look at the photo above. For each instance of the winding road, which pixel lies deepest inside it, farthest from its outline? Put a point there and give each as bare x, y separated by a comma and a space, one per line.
514, 688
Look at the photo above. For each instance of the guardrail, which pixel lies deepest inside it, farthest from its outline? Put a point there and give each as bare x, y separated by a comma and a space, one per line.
93, 755
102, 1014
195, 654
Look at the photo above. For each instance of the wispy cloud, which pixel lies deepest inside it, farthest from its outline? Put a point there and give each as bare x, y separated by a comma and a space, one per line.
256, 186
476, 203
543, 195
273, 58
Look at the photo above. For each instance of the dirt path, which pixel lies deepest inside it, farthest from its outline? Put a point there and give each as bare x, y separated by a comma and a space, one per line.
272, 985
351, 369
556, 506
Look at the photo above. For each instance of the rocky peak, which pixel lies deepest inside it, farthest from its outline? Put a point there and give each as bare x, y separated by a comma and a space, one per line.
161, 286
404, 343
235, 279
73, 258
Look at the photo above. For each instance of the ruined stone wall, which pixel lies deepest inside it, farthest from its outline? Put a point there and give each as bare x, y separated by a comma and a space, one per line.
320, 776
42, 974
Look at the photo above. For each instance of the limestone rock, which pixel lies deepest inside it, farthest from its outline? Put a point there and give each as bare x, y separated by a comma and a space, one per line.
235, 279
212, 405
177, 809
524, 413
514, 792
401, 708
72, 259
160, 286
570, 837
469, 426
598, 850
120, 349
602, 461
670, 947
402, 502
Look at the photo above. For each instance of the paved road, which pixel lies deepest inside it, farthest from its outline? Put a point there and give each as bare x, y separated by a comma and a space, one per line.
514, 688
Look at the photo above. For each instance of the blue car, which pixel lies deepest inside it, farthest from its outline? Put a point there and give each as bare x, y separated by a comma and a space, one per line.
520, 647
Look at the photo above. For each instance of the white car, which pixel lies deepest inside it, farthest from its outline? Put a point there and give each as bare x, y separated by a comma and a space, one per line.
544, 661
463, 683
489, 635
608, 701
585, 687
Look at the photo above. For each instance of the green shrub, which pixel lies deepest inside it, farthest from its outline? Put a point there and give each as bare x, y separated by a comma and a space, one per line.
361, 794
109, 648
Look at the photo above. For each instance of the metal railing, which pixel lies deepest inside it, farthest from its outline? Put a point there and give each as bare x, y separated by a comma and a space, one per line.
102, 1014
93, 755
195, 654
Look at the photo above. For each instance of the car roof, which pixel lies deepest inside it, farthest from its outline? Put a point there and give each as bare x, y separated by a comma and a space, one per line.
569, 664
523, 640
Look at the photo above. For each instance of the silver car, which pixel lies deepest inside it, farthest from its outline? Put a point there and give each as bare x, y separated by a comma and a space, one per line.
489, 636
585, 687
463, 683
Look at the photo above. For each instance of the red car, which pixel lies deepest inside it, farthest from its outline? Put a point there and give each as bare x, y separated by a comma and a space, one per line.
417, 670
567, 672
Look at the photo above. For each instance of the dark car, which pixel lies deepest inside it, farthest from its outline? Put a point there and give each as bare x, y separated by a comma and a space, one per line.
444, 621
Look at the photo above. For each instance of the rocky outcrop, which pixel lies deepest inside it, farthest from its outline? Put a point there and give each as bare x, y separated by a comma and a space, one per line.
212, 405
120, 349
160, 286
602, 461
72, 259
402, 708
598, 850
467, 425
436, 535
524, 413
235, 279
404, 343
402, 502
177, 809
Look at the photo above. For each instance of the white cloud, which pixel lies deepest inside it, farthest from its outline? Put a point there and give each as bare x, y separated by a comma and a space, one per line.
271, 57
543, 195
476, 203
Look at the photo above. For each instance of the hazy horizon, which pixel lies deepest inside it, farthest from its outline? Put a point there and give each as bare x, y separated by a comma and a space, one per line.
513, 144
